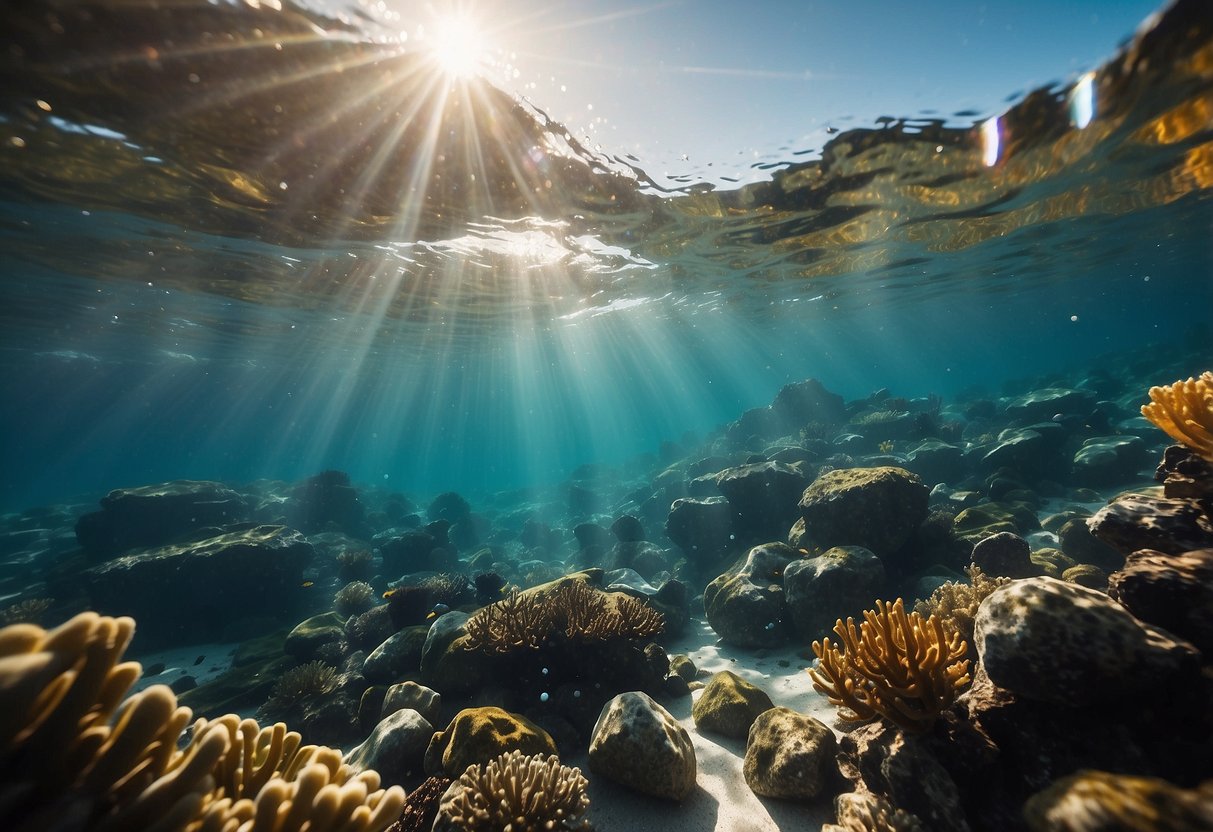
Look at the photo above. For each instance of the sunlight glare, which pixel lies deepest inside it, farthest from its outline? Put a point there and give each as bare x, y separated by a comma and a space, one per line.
458, 46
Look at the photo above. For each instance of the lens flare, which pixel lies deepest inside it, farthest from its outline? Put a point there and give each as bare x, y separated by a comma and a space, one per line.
458, 46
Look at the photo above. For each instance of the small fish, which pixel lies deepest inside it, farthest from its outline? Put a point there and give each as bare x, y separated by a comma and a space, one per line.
306, 584
199, 660
439, 609
389, 593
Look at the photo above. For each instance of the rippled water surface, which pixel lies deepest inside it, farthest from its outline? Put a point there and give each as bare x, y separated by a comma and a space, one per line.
243, 242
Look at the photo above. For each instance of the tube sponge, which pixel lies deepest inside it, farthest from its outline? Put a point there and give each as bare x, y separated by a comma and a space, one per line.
1185, 411
77, 754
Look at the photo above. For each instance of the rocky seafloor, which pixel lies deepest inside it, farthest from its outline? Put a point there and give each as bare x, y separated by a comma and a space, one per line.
1049, 668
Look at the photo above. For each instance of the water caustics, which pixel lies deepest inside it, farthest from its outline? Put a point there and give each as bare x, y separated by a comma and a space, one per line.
258, 183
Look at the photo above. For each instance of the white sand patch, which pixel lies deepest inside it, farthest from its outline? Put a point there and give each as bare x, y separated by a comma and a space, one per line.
216, 659
721, 801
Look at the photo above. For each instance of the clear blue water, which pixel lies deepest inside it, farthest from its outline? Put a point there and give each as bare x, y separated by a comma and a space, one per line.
208, 280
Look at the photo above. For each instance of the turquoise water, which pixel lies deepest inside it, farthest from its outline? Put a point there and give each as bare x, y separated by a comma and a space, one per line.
214, 278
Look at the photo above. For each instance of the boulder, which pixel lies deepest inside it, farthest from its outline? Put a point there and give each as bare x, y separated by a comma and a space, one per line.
640, 745
1174, 592
840, 582
936, 461
627, 529
1044, 404
153, 515
1058, 642
187, 592
477, 735
1005, 554
1109, 460
1140, 521
311, 634
729, 705
395, 749
789, 755
325, 500
414, 696
762, 497
745, 606
398, 655
876, 508
703, 529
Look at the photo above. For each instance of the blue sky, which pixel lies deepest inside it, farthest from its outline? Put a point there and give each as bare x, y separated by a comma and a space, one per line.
732, 83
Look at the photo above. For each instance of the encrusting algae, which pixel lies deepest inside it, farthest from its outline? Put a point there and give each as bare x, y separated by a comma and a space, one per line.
897, 666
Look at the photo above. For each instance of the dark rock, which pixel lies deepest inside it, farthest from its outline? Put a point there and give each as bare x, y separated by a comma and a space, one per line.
308, 636
841, 582
154, 515
590, 535
762, 497
789, 755
1005, 554
1185, 474
187, 593
1174, 592
1138, 521
448, 506
1076, 540
411, 552
395, 749
399, 655
935, 461
877, 508
327, 499
745, 606
980, 521
1044, 404
903, 768
703, 529
627, 529
1109, 460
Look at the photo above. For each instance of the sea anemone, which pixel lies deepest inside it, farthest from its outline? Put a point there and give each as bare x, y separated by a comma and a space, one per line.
299, 685
354, 564
353, 598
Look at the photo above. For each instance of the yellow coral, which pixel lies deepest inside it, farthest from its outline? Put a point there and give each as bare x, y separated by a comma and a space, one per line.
893, 665
517, 792
1185, 411
74, 754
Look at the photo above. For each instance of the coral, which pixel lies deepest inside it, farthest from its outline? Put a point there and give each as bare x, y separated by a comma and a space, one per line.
574, 609
489, 586
354, 564
448, 588
408, 605
955, 602
519, 793
74, 755
354, 598
869, 813
421, 806
307, 681
29, 611
1098, 801
1185, 411
372, 628
898, 666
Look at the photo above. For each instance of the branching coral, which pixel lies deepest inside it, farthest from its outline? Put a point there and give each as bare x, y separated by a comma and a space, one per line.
516, 792
956, 602
75, 756
574, 609
1185, 411
30, 610
898, 666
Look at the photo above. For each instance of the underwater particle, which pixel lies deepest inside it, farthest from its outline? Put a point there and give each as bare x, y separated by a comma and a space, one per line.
1074, 318
543, 697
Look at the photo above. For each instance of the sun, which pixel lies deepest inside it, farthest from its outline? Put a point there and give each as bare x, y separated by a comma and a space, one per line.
458, 46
